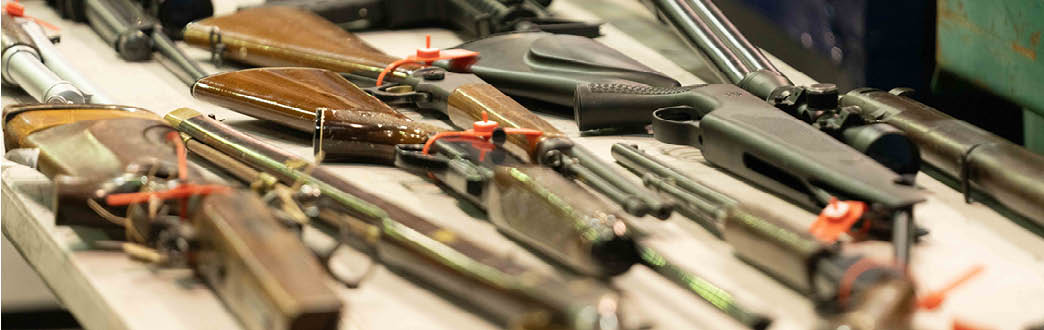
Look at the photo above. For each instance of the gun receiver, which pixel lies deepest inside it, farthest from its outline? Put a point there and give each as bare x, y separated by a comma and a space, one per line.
883, 296
956, 150
508, 293
134, 35
474, 18
553, 215
463, 97
31, 62
99, 154
706, 29
608, 89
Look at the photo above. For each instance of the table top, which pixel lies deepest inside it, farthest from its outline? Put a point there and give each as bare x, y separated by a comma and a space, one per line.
107, 290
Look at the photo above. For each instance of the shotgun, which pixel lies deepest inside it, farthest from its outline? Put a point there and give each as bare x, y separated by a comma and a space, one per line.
532, 204
879, 297
31, 61
462, 96
734, 129
473, 18
117, 167
510, 294
969, 158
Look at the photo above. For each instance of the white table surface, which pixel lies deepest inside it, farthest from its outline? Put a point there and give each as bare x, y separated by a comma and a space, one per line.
107, 290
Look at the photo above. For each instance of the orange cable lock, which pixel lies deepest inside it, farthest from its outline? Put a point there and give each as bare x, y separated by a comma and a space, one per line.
460, 59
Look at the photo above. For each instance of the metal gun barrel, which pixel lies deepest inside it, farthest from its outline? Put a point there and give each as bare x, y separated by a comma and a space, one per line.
53, 59
715, 35
135, 35
22, 67
415, 245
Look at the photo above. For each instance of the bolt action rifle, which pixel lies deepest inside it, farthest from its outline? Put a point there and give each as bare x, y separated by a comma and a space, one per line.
462, 96
117, 167
124, 25
510, 294
531, 204
31, 61
969, 158
473, 18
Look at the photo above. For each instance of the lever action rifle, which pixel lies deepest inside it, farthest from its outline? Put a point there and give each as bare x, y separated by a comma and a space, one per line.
31, 62
977, 162
873, 296
134, 35
462, 96
474, 18
532, 204
734, 129
510, 294
116, 167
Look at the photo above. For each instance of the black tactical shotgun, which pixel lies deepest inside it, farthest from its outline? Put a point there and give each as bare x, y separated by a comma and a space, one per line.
735, 130
473, 18
969, 158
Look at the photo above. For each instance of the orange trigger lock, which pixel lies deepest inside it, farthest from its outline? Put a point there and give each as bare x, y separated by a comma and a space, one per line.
483, 130
460, 59
836, 218
16, 9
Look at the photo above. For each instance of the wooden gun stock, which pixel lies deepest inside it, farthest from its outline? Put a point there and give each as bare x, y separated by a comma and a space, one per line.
261, 271
345, 121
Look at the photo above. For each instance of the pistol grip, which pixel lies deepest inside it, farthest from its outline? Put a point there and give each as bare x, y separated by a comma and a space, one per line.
614, 104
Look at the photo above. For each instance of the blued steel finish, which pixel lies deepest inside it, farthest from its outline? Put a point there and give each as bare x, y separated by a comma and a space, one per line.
260, 270
511, 294
134, 35
1008, 172
548, 67
462, 96
788, 254
474, 18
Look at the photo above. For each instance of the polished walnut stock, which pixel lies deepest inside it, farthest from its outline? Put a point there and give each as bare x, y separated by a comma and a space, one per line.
299, 38
330, 47
461, 95
261, 271
346, 122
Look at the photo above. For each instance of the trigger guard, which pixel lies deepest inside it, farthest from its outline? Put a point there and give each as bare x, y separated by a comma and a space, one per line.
677, 125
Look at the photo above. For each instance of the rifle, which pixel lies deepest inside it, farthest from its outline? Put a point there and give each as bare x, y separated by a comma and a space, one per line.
134, 35
880, 297
474, 18
462, 96
734, 129
31, 62
511, 294
116, 167
971, 159
531, 204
